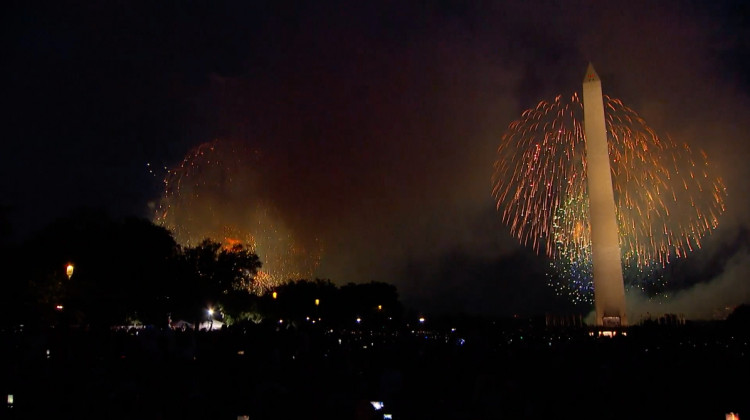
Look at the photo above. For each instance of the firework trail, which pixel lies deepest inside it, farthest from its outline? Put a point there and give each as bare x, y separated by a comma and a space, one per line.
220, 191
666, 197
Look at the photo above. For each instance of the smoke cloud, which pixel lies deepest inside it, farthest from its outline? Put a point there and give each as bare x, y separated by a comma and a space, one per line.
378, 123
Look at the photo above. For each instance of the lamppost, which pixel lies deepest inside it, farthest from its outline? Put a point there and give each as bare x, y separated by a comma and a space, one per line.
69, 273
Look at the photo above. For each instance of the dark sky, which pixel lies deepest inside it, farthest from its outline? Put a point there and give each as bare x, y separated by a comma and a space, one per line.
383, 119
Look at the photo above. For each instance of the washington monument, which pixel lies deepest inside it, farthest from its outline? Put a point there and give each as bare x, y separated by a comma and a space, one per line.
609, 289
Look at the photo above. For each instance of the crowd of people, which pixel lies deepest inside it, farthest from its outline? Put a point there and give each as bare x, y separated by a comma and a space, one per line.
469, 371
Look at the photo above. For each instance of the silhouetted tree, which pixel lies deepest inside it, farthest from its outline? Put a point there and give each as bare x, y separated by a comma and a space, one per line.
122, 270
374, 301
216, 277
297, 300
740, 318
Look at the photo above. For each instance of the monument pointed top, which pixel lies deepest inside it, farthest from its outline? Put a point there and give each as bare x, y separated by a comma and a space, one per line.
591, 75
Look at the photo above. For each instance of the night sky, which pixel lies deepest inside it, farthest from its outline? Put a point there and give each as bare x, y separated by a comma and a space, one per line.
379, 122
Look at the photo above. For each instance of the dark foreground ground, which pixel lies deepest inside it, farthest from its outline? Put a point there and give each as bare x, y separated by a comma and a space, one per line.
474, 372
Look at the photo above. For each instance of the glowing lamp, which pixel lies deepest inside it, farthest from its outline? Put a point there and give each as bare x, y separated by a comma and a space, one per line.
317, 302
273, 295
69, 270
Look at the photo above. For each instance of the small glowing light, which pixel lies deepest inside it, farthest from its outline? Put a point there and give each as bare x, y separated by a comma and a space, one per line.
10, 400
359, 320
317, 302
387, 416
210, 312
59, 307
281, 321
380, 307
421, 320
69, 270
241, 352
377, 405
274, 295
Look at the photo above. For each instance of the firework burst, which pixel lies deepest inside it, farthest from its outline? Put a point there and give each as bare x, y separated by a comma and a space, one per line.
666, 197
220, 191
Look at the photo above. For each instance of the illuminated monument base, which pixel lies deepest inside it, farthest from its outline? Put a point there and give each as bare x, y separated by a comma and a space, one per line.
609, 288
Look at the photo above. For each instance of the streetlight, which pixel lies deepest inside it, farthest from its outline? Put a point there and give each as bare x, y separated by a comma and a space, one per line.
69, 270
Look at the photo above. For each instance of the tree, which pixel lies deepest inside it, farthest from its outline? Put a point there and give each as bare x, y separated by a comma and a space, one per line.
216, 277
303, 298
377, 301
740, 317
122, 270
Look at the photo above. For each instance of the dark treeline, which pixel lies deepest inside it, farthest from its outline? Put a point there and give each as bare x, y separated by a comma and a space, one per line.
132, 271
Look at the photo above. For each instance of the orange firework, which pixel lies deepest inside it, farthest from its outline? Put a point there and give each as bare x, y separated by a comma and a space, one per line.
219, 191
